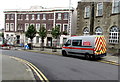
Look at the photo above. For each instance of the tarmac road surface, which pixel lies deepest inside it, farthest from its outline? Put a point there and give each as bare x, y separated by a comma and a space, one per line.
57, 67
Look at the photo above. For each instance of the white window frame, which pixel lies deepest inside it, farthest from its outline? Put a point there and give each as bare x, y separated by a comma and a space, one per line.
114, 7
60, 26
7, 17
59, 16
12, 17
44, 25
37, 39
21, 17
33, 17
87, 12
11, 26
26, 26
114, 35
37, 27
99, 9
7, 26
27, 17
99, 31
44, 16
86, 31
38, 16
64, 27
66, 16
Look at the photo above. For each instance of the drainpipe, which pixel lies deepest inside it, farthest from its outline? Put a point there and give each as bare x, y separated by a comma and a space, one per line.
92, 18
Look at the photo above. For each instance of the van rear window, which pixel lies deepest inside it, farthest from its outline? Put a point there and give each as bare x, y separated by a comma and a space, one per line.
77, 43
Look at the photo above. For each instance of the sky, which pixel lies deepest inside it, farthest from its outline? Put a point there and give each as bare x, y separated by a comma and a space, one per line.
26, 4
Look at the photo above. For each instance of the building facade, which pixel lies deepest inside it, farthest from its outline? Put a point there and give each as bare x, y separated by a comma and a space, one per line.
100, 18
18, 21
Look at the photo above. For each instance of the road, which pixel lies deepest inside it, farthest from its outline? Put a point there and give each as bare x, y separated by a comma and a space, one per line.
57, 67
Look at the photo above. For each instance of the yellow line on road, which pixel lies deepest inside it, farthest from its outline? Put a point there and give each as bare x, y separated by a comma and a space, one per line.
35, 69
109, 62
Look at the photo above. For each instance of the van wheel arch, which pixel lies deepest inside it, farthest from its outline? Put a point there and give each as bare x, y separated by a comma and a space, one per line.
64, 53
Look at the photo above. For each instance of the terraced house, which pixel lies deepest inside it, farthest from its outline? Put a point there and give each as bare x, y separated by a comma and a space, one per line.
100, 18
17, 22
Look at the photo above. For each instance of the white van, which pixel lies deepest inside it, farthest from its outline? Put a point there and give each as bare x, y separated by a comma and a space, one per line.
90, 47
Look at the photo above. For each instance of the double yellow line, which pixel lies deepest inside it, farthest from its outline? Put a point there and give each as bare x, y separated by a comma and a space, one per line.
34, 68
109, 62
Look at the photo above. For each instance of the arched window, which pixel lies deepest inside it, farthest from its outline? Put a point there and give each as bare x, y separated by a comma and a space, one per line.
114, 35
98, 31
86, 31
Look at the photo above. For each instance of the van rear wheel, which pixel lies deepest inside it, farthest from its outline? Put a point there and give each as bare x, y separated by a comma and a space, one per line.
87, 56
64, 53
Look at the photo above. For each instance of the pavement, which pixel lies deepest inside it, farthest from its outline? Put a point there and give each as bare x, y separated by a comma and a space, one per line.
15, 70
107, 59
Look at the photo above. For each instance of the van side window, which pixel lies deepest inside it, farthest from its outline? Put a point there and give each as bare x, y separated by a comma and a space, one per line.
68, 42
77, 43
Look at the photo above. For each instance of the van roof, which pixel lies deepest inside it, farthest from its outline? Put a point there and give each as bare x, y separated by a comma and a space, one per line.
87, 36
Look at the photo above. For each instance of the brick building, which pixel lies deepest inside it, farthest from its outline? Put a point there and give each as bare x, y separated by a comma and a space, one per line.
100, 18
17, 22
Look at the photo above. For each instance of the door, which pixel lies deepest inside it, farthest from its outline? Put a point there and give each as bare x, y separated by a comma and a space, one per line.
18, 39
76, 47
49, 41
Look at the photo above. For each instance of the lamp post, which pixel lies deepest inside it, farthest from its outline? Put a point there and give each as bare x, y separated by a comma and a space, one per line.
69, 21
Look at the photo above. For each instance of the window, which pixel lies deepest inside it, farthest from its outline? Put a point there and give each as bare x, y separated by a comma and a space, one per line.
98, 31
68, 42
44, 25
7, 18
27, 17
77, 42
114, 35
99, 9
7, 26
59, 16
11, 26
44, 16
116, 6
87, 12
33, 17
86, 31
59, 25
38, 16
26, 26
65, 16
12, 16
51, 16
37, 39
7, 35
65, 28
37, 27
64, 40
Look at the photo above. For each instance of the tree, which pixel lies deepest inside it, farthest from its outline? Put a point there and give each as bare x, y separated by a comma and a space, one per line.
43, 35
55, 34
31, 33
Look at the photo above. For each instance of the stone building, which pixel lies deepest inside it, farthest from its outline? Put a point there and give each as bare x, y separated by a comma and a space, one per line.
100, 18
17, 22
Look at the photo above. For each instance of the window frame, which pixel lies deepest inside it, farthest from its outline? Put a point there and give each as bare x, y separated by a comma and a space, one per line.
87, 12
80, 43
114, 36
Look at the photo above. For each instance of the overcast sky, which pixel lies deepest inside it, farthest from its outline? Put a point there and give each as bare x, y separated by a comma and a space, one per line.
25, 4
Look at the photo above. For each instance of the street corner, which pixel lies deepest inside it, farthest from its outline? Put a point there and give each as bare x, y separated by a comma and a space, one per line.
15, 70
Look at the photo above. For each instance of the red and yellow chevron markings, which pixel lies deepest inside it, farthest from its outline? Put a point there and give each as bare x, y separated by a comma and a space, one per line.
100, 45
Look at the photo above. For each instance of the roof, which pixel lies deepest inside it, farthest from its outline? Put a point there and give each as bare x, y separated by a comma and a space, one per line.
38, 8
